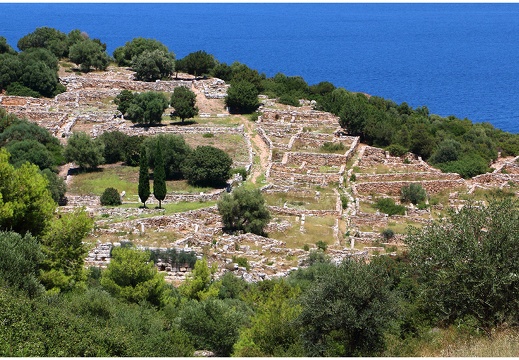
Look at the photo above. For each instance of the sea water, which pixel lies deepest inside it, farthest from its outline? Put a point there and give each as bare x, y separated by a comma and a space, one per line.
456, 59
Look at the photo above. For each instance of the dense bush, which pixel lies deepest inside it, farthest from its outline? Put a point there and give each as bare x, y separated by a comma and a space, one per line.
174, 152
244, 210
242, 97
198, 63
110, 197
468, 265
413, 193
183, 101
207, 166
84, 151
125, 54
153, 65
145, 108
388, 206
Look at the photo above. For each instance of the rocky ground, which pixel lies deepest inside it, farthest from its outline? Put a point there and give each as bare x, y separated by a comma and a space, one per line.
304, 187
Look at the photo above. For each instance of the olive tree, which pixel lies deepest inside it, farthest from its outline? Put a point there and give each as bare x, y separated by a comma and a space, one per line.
468, 264
183, 101
207, 166
84, 151
153, 65
244, 210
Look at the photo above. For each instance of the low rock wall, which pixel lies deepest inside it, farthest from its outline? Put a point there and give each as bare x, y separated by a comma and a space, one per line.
315, 159
393, 188
417, 176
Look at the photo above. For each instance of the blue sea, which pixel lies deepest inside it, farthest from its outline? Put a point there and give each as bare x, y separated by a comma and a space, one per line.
456, 59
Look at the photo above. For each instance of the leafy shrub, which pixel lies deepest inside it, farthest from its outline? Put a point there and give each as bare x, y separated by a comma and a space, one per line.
207, 166
17, 89
333, 146
208, 135
241, 171
110, 197
387, 234
321, 245
396, 150
344, 201
413, 193
388, 206
241, 261
288, 99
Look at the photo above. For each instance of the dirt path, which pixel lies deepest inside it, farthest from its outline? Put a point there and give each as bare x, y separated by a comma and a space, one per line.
260, 149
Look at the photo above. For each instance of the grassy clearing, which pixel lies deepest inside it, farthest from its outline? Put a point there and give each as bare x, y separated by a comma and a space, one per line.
315, 229
233, 144
324, 202
459, 343
148, 239
122, 178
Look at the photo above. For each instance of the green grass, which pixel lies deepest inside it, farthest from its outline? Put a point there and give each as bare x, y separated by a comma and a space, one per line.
315, 229
326, 201
123, 178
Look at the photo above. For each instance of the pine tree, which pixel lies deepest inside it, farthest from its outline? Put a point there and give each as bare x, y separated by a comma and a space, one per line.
144, 177
159, 177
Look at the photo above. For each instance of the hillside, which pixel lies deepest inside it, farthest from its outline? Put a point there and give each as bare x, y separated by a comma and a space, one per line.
315, 192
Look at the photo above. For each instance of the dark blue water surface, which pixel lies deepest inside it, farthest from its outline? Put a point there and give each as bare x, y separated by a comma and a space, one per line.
456, 59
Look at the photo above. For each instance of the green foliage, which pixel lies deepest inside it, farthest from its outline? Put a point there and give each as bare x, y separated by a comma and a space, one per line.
114, 143
387, 234
344, 201
467, 166
321, 245
222, 71
331, 147
241, 72
244, 210
131, 150
45, 37
173, 257
240, 170
291, 100
30, 151
64, 250
110, 197
84, 151
207, 166
153, 65
124, 54
396, 150
124, 100
26, 204
197, 285
89, 54
145, 108
159, 176
5, 48
241, 261
272, 330
413, 193
131, 277
174, 151
56, 186
242, 97
17, 89
346, 311
467, 265
388, 206
198, 63
144, 177
213, 324
19, 262
183, 101
448, 150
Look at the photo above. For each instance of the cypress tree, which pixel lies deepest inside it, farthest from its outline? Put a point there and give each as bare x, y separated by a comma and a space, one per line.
159, 176
144, 177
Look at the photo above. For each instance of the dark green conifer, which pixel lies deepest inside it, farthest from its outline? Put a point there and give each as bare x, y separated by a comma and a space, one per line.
159, 177
144, 176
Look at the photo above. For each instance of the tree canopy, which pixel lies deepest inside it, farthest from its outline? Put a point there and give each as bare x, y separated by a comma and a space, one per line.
86, 152
198, 63
207, 166
244, 210
183, 100
242, 97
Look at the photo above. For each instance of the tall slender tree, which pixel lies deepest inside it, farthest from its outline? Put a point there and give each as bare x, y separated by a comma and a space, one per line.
144, 176
159, 176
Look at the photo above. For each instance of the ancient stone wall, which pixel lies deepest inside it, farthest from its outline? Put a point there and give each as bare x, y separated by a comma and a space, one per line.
75, 82
393, 188
415, 176
298, 158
